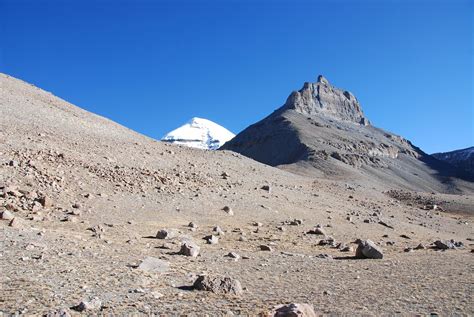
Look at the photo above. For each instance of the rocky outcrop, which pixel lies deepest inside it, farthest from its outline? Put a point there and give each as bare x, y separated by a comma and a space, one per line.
321, 98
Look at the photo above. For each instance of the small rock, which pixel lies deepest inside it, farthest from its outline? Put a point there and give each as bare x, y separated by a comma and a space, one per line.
13, 163
324, 256
294, 310
225, 175
165, 234
218, 230
317, 230
447, 244
265, 248
228, 210
420, 247
189, 248
45, 201
266, 188
218, 285
192, 225
151, 264
368, 249
295, 222
211, 239
7, 215
347, 248
16, 223
330, 241
167, 246
258, 224
233, 255
94, 304
408, 249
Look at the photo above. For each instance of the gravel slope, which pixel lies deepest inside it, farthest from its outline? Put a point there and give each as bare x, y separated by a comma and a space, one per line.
109, 190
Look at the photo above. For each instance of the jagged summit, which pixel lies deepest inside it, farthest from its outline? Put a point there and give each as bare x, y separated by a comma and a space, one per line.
199, 133
321, 98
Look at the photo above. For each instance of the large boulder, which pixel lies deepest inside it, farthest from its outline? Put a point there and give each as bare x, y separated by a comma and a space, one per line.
218, 284
368, 250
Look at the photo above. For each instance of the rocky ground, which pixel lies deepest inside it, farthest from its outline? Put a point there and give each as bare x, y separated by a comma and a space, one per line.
95, 217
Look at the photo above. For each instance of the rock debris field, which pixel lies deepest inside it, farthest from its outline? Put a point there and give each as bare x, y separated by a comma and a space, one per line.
98, 219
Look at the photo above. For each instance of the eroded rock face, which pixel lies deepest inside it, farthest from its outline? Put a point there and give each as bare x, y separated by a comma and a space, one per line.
322, 98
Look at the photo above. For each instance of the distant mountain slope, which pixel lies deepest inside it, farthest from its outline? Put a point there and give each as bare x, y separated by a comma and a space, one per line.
463, 158
322, 131
199, 133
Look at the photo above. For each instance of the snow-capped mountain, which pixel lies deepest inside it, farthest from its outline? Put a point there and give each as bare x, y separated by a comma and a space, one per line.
199, 133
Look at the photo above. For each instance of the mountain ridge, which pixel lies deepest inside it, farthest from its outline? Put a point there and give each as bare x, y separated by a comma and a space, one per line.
462, 158
332, 138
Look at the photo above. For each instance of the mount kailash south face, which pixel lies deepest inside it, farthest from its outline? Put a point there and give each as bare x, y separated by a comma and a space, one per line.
199, 133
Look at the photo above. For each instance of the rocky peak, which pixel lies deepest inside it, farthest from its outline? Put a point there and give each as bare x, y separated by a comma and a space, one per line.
321, 98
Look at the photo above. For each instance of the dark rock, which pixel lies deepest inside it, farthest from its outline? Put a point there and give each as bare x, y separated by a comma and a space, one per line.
317, 230
189, 248
165, 234
419, 247
294, 310
45, 201
211, 239
228, 210
329, 241
324, 256
447, 244
233, 255
93, 304
265, 248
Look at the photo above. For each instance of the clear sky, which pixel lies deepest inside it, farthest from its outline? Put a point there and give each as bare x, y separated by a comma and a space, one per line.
152, 65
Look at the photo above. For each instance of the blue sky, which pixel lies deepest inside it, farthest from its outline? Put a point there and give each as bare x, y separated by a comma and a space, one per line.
152, 65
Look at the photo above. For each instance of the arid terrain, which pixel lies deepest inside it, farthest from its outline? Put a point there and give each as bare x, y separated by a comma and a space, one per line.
86, 201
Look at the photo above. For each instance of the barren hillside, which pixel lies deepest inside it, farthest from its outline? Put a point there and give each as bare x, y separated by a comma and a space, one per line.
96, 216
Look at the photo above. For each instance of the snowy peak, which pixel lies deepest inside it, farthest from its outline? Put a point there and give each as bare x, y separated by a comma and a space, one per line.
199, 133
